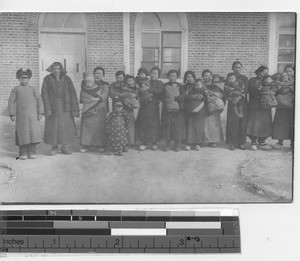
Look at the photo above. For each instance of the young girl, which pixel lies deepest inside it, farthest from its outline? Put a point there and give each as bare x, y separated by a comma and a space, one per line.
117, 126
172, 122
25, 106
235, 92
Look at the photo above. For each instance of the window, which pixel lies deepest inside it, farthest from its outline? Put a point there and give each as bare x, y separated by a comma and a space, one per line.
286, 40
161, 38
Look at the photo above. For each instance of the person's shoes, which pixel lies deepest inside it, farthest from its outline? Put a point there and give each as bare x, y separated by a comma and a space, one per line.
241, 115
232, 147
253, 147
125, 149
277, 146
31, 156
212, 144
143, 147
65, 150
118, 153
242, 147
154, 147
53, 150
196, 147
264, 146
187, 147
83, 150
23, 157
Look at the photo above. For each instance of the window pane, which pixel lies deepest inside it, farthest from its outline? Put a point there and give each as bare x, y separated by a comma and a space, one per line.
149, 66
169, 66
171, 55
171, 39
170, 20
150, 54
150, 40
281, 66
286, 56
286, 20
287, 40
74, 21
150, 20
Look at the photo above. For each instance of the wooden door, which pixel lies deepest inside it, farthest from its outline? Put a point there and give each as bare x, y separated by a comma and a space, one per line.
69, 50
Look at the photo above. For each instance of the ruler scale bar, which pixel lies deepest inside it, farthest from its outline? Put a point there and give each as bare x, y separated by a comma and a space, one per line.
115, 231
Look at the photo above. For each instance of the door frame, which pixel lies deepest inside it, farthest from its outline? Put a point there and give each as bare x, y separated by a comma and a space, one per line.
42, 30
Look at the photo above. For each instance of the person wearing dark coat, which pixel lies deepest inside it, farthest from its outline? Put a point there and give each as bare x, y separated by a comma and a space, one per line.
283, 124
61, 106
172, 122
148, 120
26, 108
236, 126
259, 123
194, 121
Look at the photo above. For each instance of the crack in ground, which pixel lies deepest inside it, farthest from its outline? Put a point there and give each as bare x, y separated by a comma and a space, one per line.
6, 169
253, 187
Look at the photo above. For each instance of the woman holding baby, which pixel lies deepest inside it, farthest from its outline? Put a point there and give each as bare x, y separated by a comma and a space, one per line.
93, 96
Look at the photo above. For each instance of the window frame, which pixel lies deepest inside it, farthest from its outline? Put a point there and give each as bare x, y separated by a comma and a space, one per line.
184, 42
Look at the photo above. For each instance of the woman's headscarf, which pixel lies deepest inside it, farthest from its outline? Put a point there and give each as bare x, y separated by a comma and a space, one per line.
186, 75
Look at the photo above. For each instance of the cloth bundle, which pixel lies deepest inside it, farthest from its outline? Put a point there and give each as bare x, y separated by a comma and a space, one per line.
89, 96
215, 102
267, 97
172, 91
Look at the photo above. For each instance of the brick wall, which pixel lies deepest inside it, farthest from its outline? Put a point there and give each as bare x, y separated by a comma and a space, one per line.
19, 48
216, 40
105, 43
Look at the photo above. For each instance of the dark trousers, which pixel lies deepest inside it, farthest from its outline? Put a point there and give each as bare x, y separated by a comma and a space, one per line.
260, 140
27, 149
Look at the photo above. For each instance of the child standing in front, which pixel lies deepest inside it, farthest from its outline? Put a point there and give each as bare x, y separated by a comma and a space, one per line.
172, 119
117, 127
26, 108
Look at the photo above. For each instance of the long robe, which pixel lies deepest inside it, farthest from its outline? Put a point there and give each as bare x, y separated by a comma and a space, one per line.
194, 122
283, 124
173, 123
26, 103
259, 123
236, 127
213, 127
148, 120
61, 106
93, 129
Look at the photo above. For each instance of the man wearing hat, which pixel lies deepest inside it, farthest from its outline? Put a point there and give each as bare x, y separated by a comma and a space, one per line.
61, 106
26, 108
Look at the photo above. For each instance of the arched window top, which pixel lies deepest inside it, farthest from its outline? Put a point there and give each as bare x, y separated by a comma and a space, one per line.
173, 21
286, 20
63, 20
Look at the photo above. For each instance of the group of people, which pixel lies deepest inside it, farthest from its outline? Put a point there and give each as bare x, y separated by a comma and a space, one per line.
189, 114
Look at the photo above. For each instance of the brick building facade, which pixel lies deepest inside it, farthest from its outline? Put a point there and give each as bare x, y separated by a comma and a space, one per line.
125, 41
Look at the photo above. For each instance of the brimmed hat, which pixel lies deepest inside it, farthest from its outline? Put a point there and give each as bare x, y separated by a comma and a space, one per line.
62, 69
21, 72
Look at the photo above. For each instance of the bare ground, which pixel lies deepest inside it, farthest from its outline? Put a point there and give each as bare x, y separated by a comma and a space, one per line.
212, 175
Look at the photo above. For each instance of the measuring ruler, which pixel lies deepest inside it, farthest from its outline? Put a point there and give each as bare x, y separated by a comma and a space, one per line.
114, 231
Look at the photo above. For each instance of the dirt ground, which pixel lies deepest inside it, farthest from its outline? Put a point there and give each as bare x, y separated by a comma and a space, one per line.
211, 175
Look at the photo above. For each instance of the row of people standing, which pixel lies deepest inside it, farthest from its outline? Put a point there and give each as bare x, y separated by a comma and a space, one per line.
185, 116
